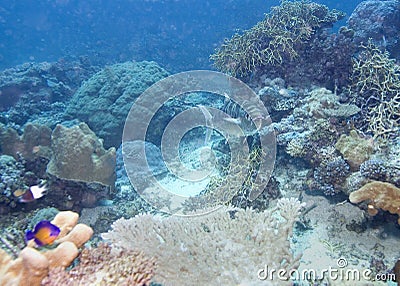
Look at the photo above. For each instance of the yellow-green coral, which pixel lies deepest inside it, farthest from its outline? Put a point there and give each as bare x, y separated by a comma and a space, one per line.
273, 40
376, 85
354, 148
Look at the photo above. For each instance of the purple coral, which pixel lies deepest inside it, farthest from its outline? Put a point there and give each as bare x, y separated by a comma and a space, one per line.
378, 20
330, 177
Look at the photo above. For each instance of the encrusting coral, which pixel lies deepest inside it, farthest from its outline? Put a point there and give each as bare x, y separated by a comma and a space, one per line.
33, 265
354, 148
379, 195
225, 247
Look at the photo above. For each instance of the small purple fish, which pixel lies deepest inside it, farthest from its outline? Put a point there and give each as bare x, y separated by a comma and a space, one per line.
44, 233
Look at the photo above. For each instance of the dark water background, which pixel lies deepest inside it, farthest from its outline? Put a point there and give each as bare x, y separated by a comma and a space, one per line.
179, 35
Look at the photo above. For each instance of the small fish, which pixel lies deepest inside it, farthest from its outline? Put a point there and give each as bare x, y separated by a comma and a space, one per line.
44, 233
233, 120
34, 192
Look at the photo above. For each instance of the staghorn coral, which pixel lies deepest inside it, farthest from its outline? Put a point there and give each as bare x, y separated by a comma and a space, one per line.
375, 87
236, 189
379, 195
225, 247
33, 265
105, 266
275, 39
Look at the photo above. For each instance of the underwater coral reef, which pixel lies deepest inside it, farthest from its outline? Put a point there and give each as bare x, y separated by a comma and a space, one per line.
280, 166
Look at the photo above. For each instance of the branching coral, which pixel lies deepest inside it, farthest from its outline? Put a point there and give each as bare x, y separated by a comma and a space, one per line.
275, 39
379, 195
103, 266
237, 189
376, 88
226, 247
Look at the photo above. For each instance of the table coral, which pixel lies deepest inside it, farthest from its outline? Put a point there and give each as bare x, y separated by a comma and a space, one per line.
379, 195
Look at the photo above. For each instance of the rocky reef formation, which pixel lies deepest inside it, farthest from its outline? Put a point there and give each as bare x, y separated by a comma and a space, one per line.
37, 92
70, 162
34, 142
379, 21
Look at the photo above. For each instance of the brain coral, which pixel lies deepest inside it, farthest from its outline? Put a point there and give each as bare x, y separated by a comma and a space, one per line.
104, 100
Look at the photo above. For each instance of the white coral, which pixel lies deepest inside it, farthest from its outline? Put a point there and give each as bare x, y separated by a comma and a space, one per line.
213, 249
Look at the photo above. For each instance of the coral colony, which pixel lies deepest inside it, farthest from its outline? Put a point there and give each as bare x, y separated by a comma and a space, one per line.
72, 215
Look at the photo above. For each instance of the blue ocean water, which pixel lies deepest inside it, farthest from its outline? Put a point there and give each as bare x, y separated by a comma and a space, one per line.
295, 166
180, 35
